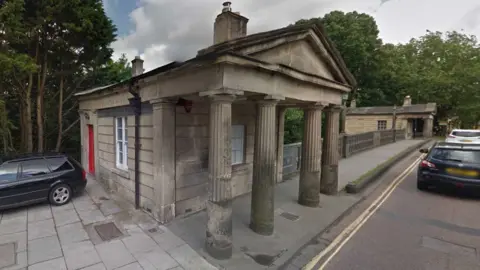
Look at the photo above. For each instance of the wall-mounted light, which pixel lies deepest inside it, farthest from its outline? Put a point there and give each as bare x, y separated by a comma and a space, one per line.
87, 116
187, 104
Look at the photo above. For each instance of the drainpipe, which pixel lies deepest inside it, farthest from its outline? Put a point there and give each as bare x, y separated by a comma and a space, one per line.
136, 103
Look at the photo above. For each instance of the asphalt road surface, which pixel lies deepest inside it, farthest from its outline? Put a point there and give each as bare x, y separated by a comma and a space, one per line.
416, 230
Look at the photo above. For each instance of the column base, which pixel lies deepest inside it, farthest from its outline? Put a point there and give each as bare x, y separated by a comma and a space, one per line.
218, 242
262, 229
329, 181
219, 251
309, 193
165, 214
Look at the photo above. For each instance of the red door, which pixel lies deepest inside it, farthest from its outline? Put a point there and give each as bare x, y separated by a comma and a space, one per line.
91, 150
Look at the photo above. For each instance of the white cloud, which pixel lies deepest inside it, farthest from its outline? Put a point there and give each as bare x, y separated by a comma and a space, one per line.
168, 30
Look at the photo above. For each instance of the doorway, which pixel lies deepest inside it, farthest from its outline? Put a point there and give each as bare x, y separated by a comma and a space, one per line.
91, 150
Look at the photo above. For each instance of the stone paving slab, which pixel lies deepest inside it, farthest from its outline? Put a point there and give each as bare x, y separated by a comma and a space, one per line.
41, 237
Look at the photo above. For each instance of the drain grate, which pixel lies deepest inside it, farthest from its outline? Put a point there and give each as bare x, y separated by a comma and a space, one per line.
289, 216
108, 231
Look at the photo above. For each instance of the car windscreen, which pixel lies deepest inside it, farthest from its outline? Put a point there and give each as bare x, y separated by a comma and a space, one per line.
466, 133
456, 155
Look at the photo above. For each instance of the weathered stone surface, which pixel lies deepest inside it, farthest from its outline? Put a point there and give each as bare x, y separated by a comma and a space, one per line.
264, 169
218, 242
309, 184
330, 153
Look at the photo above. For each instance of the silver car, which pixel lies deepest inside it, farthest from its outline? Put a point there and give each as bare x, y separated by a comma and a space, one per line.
464, 136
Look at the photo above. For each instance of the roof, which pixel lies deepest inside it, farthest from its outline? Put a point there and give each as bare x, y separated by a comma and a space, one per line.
249, 40
380, 110
235, 44
152, 72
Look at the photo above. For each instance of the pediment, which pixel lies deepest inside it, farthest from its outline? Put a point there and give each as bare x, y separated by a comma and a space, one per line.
298, 55
304, 47
309, 52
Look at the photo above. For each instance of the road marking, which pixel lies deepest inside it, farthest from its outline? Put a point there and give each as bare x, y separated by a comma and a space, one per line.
348, 232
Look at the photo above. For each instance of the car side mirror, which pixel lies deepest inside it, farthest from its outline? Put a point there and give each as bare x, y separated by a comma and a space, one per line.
424, 150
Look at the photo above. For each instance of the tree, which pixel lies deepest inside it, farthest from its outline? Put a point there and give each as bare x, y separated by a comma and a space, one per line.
50, 49
355, 35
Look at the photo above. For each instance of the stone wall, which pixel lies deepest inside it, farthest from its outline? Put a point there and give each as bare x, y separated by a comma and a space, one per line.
120, 180
192, 155
348, 145
356, 124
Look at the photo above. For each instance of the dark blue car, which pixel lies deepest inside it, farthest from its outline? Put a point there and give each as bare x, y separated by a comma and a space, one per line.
452, 165
39, 177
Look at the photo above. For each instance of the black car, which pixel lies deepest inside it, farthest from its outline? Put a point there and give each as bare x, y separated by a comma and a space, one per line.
39, 177
450, 164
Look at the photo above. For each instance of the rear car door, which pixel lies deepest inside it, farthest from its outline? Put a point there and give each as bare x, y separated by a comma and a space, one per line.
35, 179
8, 184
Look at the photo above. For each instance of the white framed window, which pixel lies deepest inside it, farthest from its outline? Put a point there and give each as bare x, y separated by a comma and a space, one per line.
238, 144
121, 143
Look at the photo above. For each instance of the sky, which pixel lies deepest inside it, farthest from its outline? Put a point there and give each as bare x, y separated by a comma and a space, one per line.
161, 31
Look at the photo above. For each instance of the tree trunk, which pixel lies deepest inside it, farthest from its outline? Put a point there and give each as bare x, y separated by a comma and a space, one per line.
60, 115
28, 114
40, 110
23, 126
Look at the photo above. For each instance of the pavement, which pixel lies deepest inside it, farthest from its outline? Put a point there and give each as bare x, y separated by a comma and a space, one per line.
95, 231
415, 229
99, 230
295, 225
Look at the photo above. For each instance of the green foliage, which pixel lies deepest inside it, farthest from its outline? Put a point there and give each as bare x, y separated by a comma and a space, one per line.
438, 67
293, 126
44, 43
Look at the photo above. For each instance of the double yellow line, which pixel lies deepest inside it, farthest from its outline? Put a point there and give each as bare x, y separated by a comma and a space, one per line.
348, 232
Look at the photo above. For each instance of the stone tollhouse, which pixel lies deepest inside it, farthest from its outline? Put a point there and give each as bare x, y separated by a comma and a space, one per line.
196, 134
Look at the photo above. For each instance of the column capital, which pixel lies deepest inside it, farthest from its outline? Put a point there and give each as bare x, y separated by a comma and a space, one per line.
221, 98
314, 106
160, 101
334, 108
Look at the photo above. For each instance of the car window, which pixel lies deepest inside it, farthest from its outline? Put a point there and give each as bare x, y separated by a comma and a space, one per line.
8, 172
466, 133
464, 156
34, 167
58, 164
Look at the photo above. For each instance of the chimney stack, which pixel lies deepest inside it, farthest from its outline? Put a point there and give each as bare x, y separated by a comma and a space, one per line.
407, 101
229, 25
137, 66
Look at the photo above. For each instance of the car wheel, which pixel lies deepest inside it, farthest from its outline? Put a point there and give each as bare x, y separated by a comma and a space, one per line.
60, 194
422, 185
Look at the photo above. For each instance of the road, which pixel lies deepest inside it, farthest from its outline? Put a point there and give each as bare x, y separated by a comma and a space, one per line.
414, 229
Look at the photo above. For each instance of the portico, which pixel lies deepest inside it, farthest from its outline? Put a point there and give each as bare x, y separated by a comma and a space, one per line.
217, 125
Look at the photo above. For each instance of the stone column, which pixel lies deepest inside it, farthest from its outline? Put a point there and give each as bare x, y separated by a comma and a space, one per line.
330, 154
343, 119
309, 185
219, 204
427, 127
264, 169
280, 140
163, 121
